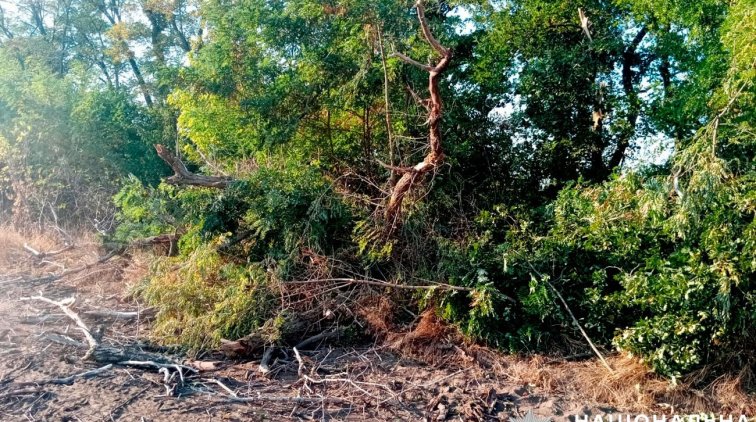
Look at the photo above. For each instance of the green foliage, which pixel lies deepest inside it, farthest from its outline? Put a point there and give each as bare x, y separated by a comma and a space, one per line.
144, 210
202, 298
280, 212
221, 285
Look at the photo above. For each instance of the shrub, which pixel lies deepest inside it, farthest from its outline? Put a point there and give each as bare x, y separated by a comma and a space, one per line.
237, 244
202, 297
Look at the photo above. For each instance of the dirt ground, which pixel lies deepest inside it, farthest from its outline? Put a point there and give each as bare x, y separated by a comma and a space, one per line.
40, 347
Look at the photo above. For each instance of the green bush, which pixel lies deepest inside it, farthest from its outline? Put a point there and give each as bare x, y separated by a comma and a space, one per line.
237, 244
202, 297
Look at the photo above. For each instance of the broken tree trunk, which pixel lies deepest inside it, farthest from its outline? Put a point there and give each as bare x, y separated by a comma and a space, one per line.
435, 156
182, 176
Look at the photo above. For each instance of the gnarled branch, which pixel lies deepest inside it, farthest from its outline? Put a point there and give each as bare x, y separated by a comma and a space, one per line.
183, 176
435, 155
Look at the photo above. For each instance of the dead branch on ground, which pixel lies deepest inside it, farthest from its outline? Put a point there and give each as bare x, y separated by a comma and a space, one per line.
65, 306
106, 354
358, 385
123, 315
68, 380
325, 335
41, 254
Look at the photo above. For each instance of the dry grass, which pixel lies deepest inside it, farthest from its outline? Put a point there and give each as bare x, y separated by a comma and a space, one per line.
16, 262
14, 259
633, 387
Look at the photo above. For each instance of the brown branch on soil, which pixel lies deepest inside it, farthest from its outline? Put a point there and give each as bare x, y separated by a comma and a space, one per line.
182, 176
435, 155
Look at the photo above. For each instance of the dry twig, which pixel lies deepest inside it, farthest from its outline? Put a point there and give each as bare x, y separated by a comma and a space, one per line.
70, 379
65, 306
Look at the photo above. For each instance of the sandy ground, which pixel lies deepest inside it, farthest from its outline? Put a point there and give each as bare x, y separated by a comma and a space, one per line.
361, 383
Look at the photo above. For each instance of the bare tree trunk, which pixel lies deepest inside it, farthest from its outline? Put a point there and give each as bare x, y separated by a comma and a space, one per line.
140, 80
629, 59
183, 42
435, 155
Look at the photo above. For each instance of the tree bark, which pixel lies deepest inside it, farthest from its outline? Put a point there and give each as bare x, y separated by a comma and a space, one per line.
435, 155
182, 41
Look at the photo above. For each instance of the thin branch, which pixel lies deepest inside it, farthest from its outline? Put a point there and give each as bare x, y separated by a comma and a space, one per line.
149, 363
386, 99
417, 98
40, 254
55, 277
65, 306
579, 327
426, 30
395, 169
68, 380
325, 335
439, 286
411, 61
